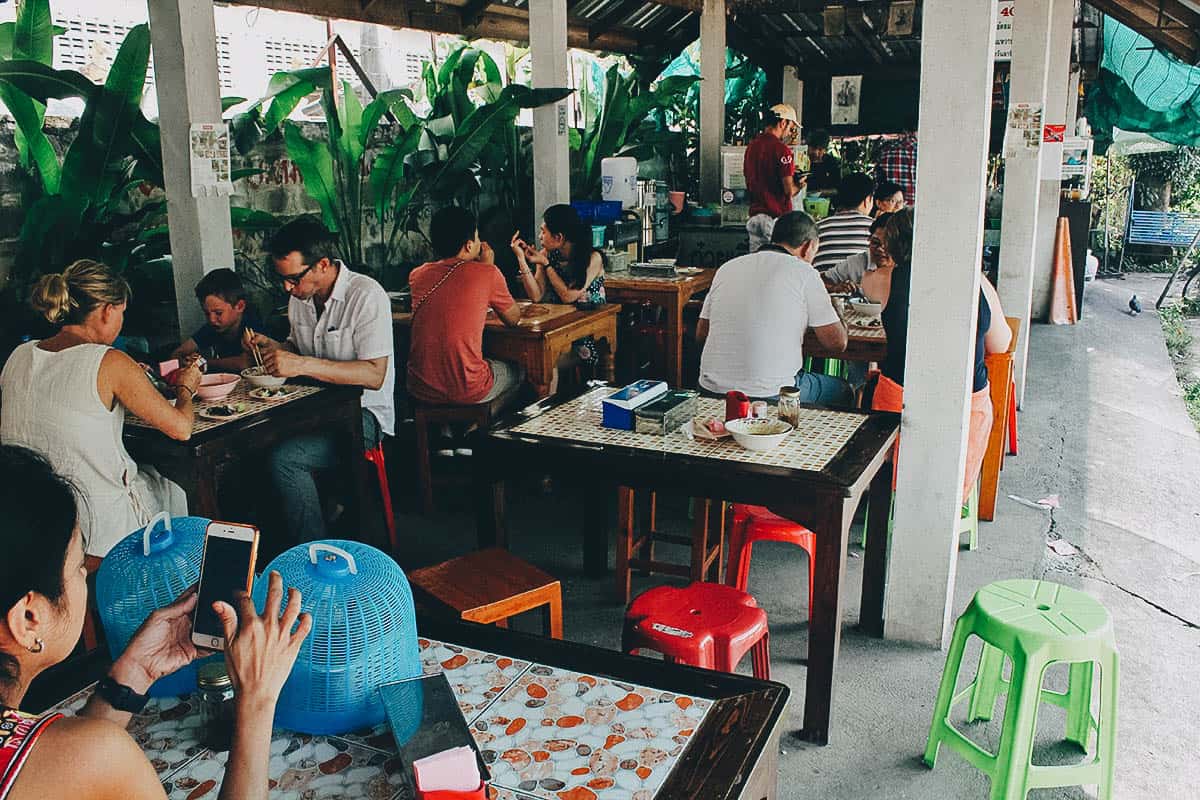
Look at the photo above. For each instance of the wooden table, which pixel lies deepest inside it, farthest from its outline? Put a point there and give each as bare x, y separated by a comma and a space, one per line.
668, 293
537, 347
566, 440
724, 729
199, 464
862, 344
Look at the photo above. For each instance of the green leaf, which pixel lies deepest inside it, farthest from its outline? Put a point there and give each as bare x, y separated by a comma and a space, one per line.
246, 130
229, 102
350, 113
146, 147
575, 139
493, 84
316, 167
249, 219
28, 114
6, 39
237, 174
393, 100
388, 169
441, 127
43, 83
107, 120
33, 37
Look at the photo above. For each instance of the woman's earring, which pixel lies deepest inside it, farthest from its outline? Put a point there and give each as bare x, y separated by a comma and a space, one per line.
38, 646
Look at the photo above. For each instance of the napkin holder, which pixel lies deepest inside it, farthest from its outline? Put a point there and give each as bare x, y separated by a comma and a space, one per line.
618, 407
445, 794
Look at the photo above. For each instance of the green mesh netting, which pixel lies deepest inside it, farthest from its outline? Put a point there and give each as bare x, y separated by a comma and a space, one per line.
1141, 88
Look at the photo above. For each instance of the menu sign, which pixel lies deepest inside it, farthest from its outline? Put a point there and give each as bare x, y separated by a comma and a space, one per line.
1004, 29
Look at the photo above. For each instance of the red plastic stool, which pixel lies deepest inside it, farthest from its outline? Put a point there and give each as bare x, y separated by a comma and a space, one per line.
704, 625
1012, 419
375, 456
756, 524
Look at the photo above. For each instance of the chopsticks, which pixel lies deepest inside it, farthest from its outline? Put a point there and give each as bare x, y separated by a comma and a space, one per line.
258, 362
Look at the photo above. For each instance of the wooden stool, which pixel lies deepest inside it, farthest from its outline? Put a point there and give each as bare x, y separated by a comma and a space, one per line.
636, 552
489, 586
426, 415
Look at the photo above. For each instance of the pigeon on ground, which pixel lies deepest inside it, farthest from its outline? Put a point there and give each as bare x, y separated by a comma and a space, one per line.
1135, 305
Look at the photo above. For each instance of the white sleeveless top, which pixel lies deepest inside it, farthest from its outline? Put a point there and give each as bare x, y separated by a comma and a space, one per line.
49, 403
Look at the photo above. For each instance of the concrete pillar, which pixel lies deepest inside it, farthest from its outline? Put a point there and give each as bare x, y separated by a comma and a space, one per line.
182, 33
1022, 171
955, 110
712, 98
1057, 83
793, 92
551, 145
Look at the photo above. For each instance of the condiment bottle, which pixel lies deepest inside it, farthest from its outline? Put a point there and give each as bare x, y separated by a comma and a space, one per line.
217, 712
789, 405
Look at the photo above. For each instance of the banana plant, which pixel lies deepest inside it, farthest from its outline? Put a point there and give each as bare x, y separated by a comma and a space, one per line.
83, 201
31, 38
616, 130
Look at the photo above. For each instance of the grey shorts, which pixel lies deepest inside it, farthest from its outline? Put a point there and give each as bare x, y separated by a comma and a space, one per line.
759, 228
505, 376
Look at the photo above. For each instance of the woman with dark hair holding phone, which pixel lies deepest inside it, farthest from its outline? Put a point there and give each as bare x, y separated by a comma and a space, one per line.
43, 599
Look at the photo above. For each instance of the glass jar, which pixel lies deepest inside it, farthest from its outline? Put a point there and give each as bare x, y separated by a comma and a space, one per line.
789, 405
217, 711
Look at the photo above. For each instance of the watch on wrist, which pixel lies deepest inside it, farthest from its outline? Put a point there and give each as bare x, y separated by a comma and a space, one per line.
120, 696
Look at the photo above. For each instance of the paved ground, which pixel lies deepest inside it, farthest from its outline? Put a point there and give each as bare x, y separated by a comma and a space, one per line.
1104, 428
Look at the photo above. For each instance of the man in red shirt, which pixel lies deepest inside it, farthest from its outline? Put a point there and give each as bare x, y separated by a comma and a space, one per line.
769, 165
451, 298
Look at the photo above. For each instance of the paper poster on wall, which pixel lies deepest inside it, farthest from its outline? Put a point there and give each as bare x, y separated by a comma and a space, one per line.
846, 93
209, 149
1052, 151
1023, 133
900, 18
835, 21
1004, 29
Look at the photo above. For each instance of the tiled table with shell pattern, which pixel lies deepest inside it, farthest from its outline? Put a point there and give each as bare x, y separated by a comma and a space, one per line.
545, 733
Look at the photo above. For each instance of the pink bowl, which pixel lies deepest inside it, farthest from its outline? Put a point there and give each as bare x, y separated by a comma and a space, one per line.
214, 387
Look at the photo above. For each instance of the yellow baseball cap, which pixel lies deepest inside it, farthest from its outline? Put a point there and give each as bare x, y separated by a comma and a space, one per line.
785, 111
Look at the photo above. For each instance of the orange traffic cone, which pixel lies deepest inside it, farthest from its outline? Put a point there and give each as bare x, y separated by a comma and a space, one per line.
1062, 294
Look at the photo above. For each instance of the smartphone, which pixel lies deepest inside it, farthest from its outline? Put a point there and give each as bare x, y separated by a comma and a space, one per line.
230, 550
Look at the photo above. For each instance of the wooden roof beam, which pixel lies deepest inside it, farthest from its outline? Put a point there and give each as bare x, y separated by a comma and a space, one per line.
1167, 23
613, 16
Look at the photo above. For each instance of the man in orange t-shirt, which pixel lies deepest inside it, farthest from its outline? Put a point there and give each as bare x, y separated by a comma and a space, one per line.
451, 298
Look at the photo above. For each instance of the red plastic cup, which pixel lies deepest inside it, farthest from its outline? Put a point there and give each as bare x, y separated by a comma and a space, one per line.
737, 405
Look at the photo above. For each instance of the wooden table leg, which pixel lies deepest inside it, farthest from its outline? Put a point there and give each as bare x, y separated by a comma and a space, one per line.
595, 544
625, 536
204, 503
552, 614
364, 498
879, 500
825, 633
700, 522
675, 341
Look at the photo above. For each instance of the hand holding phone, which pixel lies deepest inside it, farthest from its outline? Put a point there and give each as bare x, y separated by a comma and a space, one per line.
227, 568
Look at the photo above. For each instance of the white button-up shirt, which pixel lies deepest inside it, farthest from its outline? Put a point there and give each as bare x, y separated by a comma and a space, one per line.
355, 325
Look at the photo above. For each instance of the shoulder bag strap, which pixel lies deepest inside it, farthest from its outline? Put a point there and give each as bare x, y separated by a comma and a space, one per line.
417, 304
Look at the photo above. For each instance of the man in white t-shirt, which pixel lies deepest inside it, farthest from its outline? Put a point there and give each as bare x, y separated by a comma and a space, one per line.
341, 333
754, 319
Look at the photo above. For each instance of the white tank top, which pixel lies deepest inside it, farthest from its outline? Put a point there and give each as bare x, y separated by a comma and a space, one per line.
49, 403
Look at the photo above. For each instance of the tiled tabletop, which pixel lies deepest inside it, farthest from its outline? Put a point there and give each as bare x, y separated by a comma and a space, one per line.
814, 443
239, 395
546, 734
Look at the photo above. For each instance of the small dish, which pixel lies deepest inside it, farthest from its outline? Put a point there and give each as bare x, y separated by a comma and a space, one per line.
217, 386
270, 393
688, 270
223, 412
260, 379
759, 434
865, 308
689, 428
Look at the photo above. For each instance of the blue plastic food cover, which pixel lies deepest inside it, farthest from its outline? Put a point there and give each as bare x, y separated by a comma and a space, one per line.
144, 572
364, 635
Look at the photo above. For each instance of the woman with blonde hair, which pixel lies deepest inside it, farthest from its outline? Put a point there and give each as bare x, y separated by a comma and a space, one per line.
66, 397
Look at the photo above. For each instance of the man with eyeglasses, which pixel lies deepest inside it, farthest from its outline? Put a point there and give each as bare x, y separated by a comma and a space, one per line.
341, 333
849, 272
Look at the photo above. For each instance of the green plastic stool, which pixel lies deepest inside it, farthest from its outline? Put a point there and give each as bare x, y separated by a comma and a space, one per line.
1035, 624
968, 523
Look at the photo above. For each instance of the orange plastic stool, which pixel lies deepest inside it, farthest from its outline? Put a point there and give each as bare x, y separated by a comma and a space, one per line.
1012, 419
375, 456
756, 524
705, 625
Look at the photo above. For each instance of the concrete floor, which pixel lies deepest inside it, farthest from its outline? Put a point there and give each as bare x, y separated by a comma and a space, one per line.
1103, 427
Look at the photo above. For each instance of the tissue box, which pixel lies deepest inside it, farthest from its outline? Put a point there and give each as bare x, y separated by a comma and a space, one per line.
618, 407
666, 414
